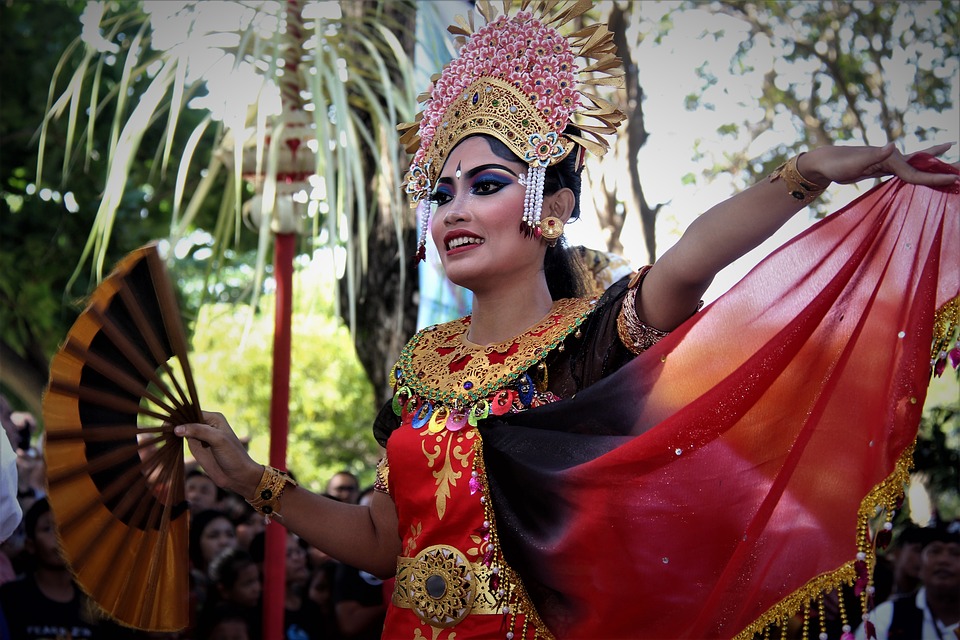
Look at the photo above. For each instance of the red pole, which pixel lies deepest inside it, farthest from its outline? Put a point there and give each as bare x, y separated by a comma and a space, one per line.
275, 551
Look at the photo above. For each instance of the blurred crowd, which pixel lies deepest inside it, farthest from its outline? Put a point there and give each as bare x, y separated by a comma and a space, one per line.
914, 594
39, 599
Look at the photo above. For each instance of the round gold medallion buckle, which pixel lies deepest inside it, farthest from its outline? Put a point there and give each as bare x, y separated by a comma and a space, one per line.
441, 585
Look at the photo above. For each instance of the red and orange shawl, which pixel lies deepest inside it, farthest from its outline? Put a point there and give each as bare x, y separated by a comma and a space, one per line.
759, 438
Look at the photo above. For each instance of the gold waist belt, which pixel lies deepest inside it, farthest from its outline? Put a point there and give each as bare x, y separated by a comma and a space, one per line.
442, 587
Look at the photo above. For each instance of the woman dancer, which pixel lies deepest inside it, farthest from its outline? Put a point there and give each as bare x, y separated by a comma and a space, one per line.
551, 458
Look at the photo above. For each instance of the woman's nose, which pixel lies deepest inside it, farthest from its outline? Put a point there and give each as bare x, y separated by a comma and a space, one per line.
455, 212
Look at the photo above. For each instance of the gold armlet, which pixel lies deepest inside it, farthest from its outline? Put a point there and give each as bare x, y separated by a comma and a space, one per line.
799, 188
266, 499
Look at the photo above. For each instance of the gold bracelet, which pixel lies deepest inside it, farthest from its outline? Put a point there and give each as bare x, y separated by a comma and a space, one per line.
266, 499
806, 191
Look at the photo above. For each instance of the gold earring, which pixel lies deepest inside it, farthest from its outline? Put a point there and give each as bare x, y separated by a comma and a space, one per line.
551, 228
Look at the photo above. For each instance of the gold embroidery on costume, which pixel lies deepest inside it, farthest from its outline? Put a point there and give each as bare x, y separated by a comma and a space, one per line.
443, 382
446, 476
415, 531
382, 481
434, 634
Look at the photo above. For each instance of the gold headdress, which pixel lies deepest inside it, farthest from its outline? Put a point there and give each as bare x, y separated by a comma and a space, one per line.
515, 78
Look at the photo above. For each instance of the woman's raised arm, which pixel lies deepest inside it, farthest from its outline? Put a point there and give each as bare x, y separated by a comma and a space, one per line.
676, 282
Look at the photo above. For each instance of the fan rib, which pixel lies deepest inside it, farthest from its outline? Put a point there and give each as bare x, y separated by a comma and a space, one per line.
119, 376
136, 358
174, 327
103, 462
104, 399
105, 433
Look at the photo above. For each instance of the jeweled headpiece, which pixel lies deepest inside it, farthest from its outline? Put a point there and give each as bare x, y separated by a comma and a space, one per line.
515, 79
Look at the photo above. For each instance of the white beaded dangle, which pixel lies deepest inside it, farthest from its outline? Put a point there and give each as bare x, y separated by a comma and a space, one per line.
532, 200
424, 209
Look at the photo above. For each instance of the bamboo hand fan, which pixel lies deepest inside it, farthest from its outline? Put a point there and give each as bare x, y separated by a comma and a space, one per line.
118, 384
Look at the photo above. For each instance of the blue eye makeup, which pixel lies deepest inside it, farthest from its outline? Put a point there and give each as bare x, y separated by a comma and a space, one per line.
489, 183
441, 196
484, 180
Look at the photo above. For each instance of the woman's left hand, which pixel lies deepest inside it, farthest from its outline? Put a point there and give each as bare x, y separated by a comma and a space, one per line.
846, 165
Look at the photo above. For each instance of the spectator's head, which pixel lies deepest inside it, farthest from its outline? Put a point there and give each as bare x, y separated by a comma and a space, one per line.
940, 559
905, 556
41, 537
237, 577
321, 584
211, 532
344, 486
297, 570
298, 573
224, 621
200, 491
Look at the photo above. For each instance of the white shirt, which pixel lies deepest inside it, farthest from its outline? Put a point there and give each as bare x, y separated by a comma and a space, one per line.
10, 513
882, 616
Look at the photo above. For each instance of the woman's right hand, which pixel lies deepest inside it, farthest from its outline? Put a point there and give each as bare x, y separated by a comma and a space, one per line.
221, 454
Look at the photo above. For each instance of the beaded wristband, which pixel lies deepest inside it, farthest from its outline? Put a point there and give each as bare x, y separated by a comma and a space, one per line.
798, 187
266, 498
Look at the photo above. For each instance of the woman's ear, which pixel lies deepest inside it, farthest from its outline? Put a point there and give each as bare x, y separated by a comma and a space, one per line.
560, 204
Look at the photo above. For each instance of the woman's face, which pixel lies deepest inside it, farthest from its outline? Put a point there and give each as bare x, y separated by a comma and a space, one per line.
476, 223
247, 587
218, 535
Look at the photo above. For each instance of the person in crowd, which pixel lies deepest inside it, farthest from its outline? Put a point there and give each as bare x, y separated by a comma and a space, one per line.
905, 562
344, 486
23, 476
200, 491
932, 611
211, 533
10, 512
225, 621
559, 465
320, 599
235, 582
46, 602
298, 619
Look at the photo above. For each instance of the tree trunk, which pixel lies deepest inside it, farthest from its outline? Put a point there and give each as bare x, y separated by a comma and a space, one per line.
386, 310
635, 130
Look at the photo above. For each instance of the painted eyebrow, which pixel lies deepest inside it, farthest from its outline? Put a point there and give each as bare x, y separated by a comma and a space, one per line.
483, 167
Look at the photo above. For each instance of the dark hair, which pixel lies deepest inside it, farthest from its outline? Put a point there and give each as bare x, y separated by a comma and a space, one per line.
225, 568
562, 267
219, 613
36, 510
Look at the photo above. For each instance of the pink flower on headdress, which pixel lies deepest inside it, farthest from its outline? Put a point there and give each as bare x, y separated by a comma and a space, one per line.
523, 51
543, 148
549, 86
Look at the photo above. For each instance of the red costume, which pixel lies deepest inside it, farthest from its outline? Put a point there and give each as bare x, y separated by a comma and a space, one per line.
715, 485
